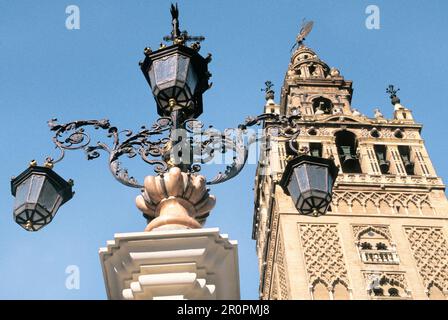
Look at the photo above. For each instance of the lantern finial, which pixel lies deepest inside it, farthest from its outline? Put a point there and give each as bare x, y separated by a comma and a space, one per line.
177, 36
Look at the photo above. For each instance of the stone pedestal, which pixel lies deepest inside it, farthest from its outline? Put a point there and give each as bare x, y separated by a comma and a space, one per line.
173, 264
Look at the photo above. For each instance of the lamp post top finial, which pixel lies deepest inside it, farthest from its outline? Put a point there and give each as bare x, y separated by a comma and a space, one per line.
177, 36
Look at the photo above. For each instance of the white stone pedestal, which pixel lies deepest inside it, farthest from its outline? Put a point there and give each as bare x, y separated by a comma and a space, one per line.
175, 264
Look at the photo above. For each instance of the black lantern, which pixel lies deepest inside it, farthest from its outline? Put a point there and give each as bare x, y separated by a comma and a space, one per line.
178, 76
38, 192
309, 181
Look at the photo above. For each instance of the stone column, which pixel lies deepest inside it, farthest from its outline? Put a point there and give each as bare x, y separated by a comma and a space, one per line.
174, 258
174, 264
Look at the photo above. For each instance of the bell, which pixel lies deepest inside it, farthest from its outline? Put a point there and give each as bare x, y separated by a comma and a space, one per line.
384, 165
409, 166
349, 161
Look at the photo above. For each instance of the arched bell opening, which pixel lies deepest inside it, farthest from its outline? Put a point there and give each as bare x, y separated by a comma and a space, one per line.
322, 105
347, 144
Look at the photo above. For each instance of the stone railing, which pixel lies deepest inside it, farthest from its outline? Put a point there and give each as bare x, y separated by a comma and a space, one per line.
379, 256
387, 179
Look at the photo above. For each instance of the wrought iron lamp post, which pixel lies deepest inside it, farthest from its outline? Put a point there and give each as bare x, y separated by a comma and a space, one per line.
176, 145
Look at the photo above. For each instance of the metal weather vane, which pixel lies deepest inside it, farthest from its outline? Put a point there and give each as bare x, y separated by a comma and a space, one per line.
393, 94
268, 90
392, 91
304, 31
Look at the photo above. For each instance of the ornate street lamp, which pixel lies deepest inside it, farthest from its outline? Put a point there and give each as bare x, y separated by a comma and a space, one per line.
176, 146
309, 181
39, 192
178, 75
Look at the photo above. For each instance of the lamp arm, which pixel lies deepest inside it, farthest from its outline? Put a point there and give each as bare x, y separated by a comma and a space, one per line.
157, 145
73, 136
284, 126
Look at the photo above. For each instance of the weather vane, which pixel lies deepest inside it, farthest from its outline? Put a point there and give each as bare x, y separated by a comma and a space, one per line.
393, 94
304, 31
268, 90
177, 36
392, 91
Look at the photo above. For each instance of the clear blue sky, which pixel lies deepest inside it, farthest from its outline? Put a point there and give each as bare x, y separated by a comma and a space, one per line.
48, 71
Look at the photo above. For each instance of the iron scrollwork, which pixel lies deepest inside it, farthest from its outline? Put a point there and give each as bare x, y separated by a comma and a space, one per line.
162, 146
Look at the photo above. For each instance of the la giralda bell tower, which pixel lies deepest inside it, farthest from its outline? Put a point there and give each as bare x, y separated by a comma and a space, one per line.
385, 235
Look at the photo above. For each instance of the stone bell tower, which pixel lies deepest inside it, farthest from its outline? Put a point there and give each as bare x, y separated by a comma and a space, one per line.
385, 235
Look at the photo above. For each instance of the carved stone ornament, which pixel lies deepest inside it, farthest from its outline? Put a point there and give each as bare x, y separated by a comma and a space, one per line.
175, 200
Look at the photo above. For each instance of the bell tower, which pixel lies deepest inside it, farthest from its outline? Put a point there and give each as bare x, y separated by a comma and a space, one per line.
385, 235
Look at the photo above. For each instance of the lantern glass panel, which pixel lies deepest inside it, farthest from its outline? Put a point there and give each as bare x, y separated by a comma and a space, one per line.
56, 206
22, 193
302, 178
330, 183
151, 76
182, 67
192, 80
318, 177
49, 196
165, 69
294, 189
36, 187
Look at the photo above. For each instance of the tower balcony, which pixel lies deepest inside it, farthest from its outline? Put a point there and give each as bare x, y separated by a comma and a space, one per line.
379, 257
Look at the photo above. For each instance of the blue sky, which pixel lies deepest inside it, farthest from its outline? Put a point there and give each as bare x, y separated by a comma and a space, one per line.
92, 73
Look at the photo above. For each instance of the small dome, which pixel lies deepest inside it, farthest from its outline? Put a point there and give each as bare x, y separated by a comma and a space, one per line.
303, 53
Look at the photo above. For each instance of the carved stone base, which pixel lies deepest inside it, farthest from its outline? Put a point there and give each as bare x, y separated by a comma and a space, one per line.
175, 264
175, 200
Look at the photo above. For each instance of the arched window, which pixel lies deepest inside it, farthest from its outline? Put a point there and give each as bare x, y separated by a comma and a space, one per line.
343, 206
387, 287
320, 291
426, 209
412, 208
347, 143
384, 207
375, 247
370, 207
435, 293
322, 105
340, 292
